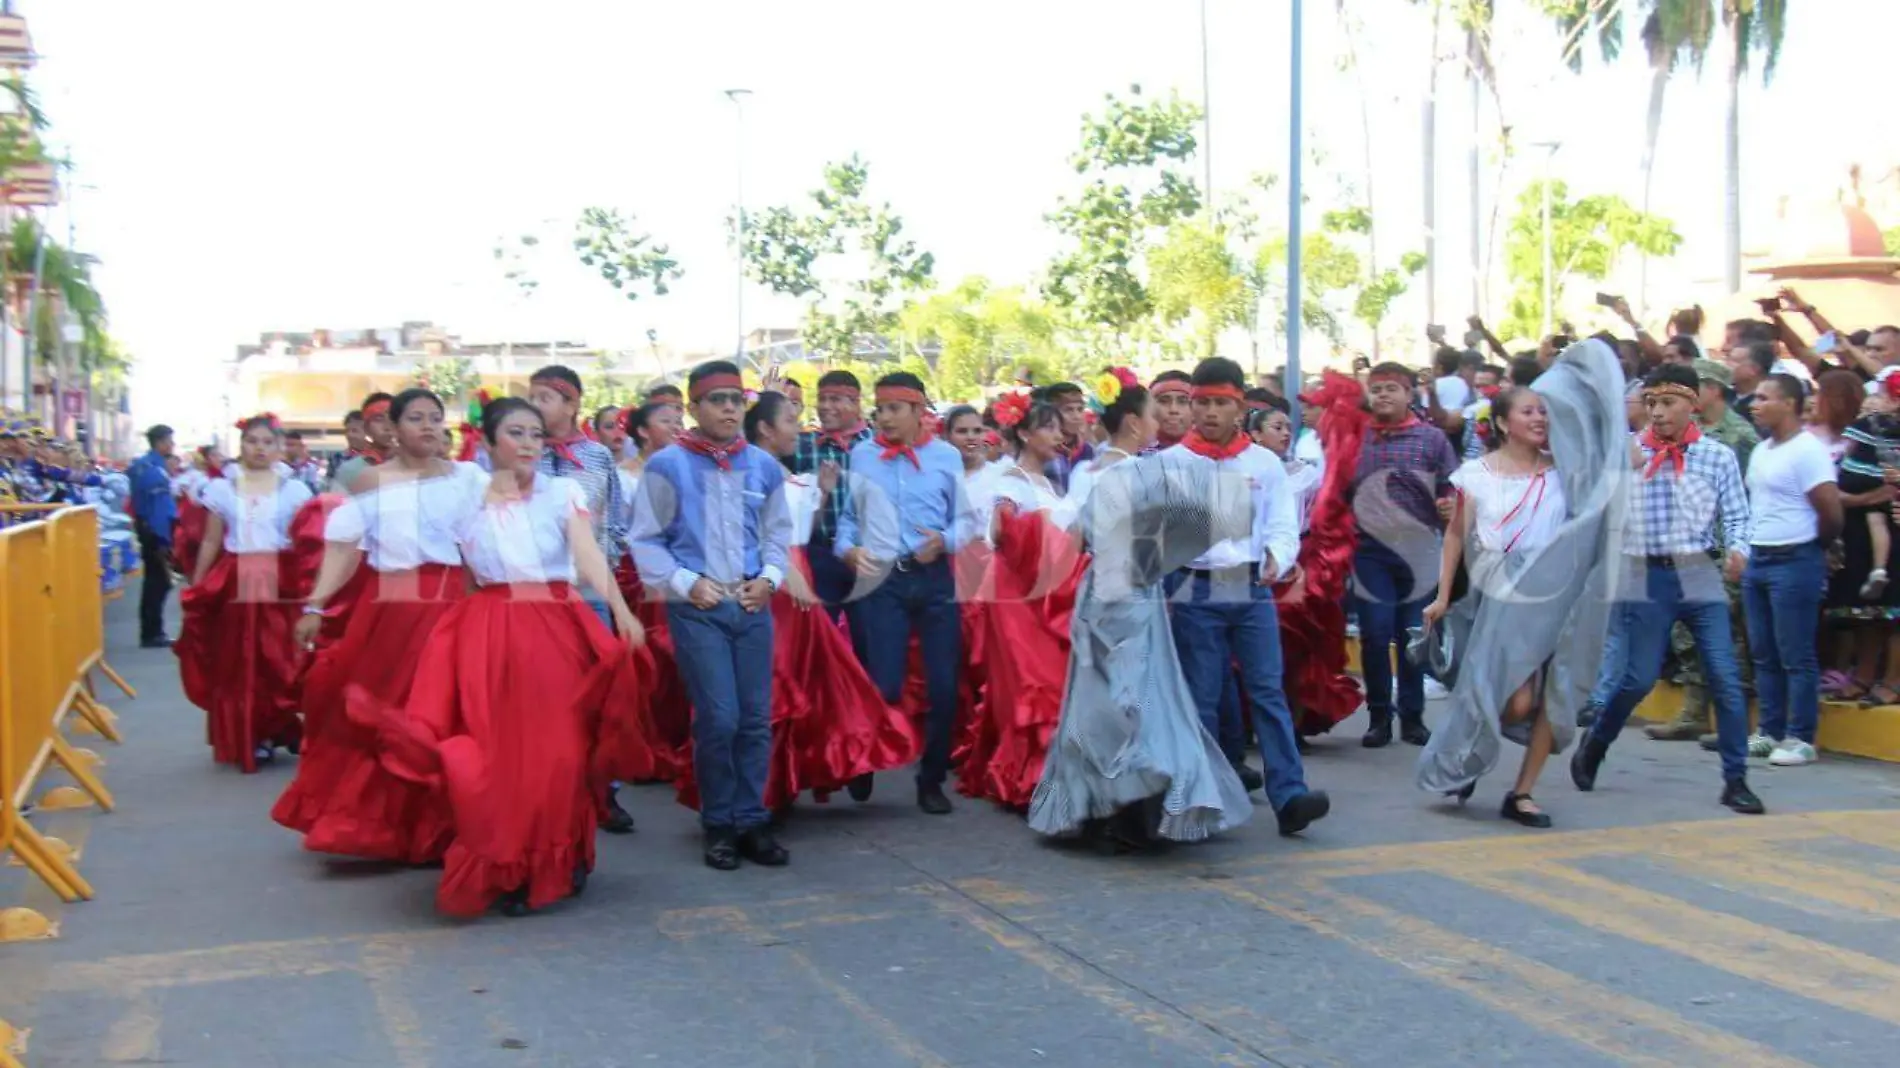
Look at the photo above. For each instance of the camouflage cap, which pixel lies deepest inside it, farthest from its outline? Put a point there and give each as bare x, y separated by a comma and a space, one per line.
1718, 373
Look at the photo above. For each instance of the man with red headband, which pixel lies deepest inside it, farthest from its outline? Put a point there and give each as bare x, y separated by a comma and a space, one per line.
711, 528
555, 391
825, 455
1404, 472
1174, 408
379, 437
1222, 607
1683, 484
905, 513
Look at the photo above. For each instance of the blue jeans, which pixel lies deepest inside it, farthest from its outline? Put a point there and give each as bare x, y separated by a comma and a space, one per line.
832, 580
923, 601
1233, 721
1610, 675
725, 659
1382, 581
1218, 625
1781, 598
1691, 592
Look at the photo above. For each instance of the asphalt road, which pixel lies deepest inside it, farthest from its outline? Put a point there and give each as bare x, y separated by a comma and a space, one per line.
1651, 927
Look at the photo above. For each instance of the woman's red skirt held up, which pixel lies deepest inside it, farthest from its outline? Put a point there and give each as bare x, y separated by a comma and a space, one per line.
507, 703
343, 801
237, 655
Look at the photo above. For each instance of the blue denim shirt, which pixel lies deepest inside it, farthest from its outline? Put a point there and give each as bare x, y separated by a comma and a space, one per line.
889, 499
152, 501
690, 519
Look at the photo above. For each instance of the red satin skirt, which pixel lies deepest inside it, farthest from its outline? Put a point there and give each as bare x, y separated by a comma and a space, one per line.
238, 657
1034, 575
508, 700
829, 722
343, 801
188, 533
307, 548
647, 737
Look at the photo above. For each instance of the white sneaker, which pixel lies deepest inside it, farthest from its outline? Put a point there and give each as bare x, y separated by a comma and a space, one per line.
1435, 690
1760, 745
1793, 753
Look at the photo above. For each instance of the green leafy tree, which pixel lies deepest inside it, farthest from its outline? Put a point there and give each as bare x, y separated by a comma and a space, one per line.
1891, 237
1134, 157
453, 379
513, 255
983, 335
603, 385
629, 261
1196, 280
1587, 237
846, 257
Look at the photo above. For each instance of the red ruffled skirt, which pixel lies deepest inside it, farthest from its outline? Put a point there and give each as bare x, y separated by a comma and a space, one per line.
343, 801
1034, 575
307, 548
647, 737
503, 717
188, 533
829, 723
238, 656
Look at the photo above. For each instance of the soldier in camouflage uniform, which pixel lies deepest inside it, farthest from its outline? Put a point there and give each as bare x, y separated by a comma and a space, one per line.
1722, 422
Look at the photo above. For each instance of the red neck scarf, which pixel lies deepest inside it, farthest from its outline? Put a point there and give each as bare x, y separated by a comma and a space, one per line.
721, 454
1675, 452
564, 447
1200, 446
894, 449
842, 440
1407, 423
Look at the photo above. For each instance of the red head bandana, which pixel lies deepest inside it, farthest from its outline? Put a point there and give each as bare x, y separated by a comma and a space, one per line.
711, 383
561, 386
375, 410
886, 394
1172, 385
1231, 392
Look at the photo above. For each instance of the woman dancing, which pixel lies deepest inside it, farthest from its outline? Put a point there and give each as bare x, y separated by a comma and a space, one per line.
1529, 524
235, 653
402, 516
511, 687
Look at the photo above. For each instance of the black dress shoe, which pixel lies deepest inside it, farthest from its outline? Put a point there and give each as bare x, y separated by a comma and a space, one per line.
1585, 762
617, 820
860, 787
1249, 778
1463, 793
1514, 811
757, 845
1379, 735
1587, 715
1414, 732
1736, 795
932, 800
1296, 815
722, 849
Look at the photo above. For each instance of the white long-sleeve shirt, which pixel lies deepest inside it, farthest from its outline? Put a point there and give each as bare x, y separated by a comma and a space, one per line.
1276, 525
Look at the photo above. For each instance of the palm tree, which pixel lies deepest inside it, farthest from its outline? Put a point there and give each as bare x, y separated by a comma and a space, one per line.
1674, 32
1753, 26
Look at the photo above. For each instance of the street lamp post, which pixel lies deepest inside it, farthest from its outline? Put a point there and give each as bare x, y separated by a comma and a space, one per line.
1207, 121
1550, 150
1293, 238
737, 96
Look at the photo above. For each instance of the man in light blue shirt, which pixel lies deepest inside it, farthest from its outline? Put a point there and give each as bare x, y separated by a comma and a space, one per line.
905, 513
711, 529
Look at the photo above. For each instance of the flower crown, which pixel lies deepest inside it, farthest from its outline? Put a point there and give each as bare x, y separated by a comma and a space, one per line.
1109, 384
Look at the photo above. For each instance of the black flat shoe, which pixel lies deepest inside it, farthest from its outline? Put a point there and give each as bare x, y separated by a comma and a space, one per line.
514, 904
860, 787
1378, 736
1414, 732
1515, 811
1737, 796
1585, 762
757, 845
1463, 793
722, 849
1300, 813
617, 820
1249, 778
933, 800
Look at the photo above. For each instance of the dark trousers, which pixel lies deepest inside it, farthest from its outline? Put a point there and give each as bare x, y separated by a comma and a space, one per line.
832, 580
1388, 599
725, 659
156, 555
1218, 625
924, 602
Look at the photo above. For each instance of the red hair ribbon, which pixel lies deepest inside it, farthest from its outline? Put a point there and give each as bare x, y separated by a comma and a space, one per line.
1231, 392
269, 418
711, 382
905, 394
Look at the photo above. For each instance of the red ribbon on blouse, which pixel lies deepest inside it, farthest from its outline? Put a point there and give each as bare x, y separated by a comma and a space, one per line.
721, 454
1669, 451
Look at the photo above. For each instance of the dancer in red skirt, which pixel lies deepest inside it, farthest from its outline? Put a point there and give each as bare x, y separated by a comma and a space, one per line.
235, 654
1034, 573
511, 686
403, 516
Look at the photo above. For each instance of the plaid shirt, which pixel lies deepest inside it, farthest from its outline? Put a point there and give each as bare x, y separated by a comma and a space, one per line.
1675, 515
812, 452
599, 477
1408, 469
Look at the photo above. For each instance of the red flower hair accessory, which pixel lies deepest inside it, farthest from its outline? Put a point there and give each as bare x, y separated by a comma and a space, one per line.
1010, 408
269, 418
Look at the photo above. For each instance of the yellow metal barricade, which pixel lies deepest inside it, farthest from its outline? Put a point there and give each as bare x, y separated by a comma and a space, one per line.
52, 636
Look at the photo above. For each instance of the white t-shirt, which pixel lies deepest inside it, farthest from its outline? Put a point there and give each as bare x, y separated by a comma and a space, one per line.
1453, 392
1780, 474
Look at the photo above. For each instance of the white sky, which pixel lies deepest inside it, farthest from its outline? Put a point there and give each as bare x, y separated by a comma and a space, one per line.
258, 165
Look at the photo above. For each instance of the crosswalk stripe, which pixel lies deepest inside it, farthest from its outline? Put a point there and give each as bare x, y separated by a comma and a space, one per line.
1799, 882
1535, 993
1825, 973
